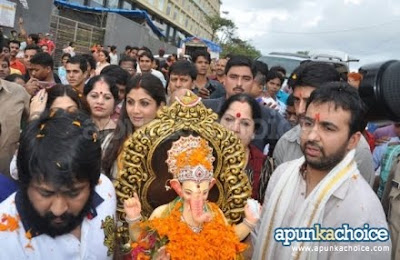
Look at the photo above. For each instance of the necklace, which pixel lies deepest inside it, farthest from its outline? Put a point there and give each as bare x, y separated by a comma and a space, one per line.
193, 228
101, 129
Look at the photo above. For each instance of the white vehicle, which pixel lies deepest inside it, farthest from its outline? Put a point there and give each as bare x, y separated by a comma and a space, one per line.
290, 61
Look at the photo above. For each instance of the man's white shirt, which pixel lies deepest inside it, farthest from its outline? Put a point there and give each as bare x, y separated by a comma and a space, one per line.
16, 245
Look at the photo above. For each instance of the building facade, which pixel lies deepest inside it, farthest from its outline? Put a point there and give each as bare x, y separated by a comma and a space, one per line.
177, 19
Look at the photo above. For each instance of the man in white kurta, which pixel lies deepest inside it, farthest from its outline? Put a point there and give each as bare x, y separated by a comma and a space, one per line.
64, 208
16, 245
324, 187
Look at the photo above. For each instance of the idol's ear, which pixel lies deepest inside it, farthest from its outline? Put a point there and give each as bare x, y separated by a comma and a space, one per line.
177, 186
212, 182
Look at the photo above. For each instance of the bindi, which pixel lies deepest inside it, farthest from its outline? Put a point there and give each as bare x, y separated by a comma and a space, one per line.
238, 115
317, 117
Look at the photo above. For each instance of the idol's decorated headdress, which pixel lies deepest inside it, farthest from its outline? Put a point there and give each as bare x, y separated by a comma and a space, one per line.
190, 159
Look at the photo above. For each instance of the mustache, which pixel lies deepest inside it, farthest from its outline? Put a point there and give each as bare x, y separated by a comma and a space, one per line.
65, 217
313, 144
238, 88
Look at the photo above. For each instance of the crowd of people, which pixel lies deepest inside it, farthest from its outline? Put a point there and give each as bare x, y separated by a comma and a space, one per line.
310, 157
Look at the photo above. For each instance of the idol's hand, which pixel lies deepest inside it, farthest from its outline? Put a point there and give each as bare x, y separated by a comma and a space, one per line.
252, 212
162, 254
132, 207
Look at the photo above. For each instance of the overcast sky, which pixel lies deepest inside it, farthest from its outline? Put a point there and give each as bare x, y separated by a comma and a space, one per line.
366, 29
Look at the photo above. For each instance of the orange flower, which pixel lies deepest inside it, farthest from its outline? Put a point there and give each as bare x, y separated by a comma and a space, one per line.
28, 235
195, 157
9, 223
142, 256
208, 244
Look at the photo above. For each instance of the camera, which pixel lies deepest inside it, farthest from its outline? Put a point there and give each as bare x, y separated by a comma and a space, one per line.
380, 90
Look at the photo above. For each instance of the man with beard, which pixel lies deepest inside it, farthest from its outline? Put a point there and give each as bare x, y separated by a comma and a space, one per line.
220, 70
64, 208
240, 72
304, 80
323, 189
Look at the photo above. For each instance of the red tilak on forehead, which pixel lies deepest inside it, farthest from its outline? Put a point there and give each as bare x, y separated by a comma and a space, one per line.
238, 115
317, 117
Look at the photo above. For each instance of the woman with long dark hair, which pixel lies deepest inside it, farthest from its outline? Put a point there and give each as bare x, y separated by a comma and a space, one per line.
145, 94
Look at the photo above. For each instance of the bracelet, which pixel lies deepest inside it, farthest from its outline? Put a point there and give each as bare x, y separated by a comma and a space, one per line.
248, 224
134, 220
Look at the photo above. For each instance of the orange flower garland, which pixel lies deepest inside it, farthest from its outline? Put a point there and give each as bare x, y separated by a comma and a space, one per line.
217, 240
197, 156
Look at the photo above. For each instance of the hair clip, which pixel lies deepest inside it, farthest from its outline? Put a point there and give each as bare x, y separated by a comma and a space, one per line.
58, 165
94, 136
294, 76
53, 112
40, 134
77, 123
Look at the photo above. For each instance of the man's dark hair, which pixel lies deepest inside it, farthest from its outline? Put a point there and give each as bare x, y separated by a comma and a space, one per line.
128, 47
113, 48
59, 149
144, 48
136, 48
127, 59
79, 59
261, 67
183, 68
313, 74
66, 55
242, 61
147, 54
120, 75
33, 47
343, 96
44, 59
89, 59
273, 74
279, 69
14, 41
35, 37
201, 53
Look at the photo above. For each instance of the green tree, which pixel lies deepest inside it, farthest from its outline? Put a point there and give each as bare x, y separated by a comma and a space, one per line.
239, 47
229, 43
220, 24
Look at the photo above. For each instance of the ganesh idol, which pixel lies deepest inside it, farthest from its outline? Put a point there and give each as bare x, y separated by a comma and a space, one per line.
189, 227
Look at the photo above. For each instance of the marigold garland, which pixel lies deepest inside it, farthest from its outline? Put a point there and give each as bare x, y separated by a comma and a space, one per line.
194, 157
217, 240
